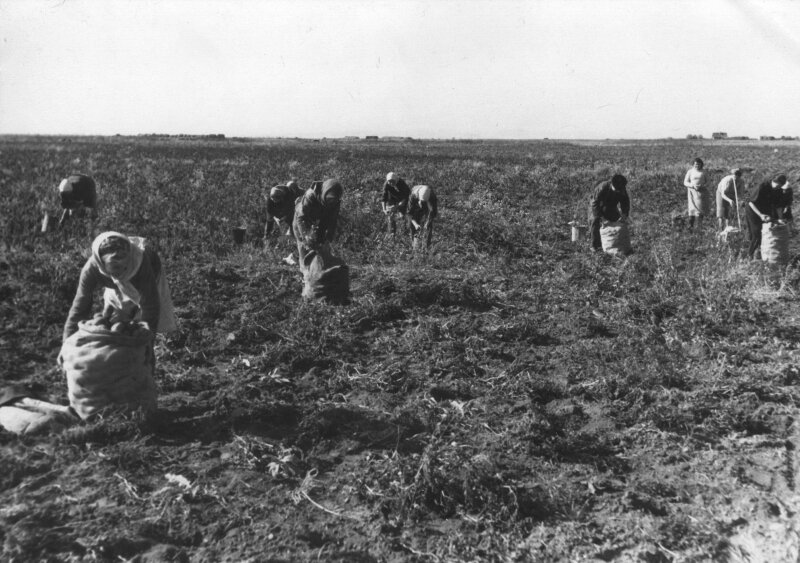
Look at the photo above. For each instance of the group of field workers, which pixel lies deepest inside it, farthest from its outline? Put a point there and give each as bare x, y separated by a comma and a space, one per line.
767, 208
310, 218
767, 211
108, 358
416, 207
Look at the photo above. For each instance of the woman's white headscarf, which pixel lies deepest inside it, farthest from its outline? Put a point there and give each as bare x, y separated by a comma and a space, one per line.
123, 282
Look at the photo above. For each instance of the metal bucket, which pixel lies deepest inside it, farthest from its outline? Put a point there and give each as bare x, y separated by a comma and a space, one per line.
238, 235
578, 231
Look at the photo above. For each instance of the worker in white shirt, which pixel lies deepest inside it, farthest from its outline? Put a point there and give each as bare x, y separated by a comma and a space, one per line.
727, 197
697, 192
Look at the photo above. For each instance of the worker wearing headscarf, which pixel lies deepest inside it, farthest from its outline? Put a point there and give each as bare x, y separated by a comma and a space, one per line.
696, 181
395, 200
422, 209
134, 280
316, 215
280, 208
78, 194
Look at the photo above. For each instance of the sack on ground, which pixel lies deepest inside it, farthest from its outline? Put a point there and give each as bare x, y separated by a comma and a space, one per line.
775, 243
615, 238
106, 367
324, 276
33, 416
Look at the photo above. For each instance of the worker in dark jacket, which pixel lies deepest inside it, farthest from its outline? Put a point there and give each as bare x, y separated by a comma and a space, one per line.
280, 208
78, 194
763, 208
395, 201
610, 202
422, 210
280, 212
316, 215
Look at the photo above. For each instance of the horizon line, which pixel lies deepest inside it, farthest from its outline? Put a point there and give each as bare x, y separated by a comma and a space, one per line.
223, 136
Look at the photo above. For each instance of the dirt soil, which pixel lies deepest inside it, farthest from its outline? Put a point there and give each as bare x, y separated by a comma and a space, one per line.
524, 401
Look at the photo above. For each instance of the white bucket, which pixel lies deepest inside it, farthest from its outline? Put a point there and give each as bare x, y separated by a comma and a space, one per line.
578, 231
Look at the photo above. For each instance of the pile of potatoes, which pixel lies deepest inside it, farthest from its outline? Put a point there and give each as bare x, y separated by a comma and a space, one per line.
127, 328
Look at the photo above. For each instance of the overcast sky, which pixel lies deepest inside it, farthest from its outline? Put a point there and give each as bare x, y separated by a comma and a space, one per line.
565, 69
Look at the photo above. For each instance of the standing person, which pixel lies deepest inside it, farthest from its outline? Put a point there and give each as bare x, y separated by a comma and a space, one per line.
697, 192
316, 215
280, 211
610, 202
78, 194
762, 208
133, 274
395, 200
727, 196
422, 210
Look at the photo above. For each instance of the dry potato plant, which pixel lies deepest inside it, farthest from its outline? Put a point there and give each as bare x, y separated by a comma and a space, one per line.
507, 396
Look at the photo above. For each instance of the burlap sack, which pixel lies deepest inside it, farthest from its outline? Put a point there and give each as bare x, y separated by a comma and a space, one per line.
32, 416
615, 238
106, 368
325, 276
775, 243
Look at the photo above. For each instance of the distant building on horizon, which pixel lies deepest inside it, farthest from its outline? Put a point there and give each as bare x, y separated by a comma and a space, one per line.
719, 135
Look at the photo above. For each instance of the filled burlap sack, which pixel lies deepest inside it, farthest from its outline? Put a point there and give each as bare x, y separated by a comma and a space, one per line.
325, 276
108, 368
615, 238
775, 243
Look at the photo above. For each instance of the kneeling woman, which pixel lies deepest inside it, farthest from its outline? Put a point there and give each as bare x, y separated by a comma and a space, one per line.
135, 276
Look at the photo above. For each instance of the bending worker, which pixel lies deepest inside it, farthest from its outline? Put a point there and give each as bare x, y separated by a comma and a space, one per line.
280, 210
135, 278
78, 194
762, 208
395, 200
316, 215
610, 202
422, 209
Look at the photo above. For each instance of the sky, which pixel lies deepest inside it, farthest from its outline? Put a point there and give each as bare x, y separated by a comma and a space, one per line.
559, 69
